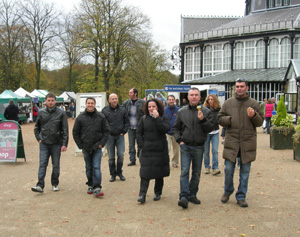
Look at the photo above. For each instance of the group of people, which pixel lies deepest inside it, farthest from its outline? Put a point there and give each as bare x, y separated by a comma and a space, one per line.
188, 130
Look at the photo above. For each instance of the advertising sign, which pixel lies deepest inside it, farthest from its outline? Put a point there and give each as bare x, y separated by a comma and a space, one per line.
8, 141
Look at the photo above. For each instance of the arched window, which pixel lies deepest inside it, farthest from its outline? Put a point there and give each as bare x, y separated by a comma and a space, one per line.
285, 54
273, 54
207, 56
238, 56
297, 49
217, 59
197, 59
260, 54
189, 60
227, 57
249, 54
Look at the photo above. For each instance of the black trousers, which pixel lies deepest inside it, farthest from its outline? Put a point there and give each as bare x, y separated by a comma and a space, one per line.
159, 183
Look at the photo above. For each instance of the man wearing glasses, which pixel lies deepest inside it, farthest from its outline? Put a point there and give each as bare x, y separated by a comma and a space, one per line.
240, 115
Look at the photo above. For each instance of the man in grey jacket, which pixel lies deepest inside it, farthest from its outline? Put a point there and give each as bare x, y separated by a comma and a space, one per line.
190, 131
51, 131
117, 118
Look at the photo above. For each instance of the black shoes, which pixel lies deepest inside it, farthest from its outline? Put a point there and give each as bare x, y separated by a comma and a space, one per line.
183, 203
131, 163
194, 200
113, 178
225, 198
242, 203
142, 199
122, 178
157, 197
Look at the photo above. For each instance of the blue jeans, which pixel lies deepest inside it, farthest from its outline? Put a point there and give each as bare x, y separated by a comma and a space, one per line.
214, 139
93, 167
112, 143
244, 176
190, 155
132, 141
45, 152
268, 124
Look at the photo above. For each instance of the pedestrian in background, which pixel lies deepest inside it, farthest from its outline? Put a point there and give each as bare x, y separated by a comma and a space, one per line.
269, 107
11, 111
213, 104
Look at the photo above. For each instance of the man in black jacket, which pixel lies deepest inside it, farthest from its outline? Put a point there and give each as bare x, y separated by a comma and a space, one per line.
134, 108
51, 131
118, 121
11, 111
90, 133
190, 131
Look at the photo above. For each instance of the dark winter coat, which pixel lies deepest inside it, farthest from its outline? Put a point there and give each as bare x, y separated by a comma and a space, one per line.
90, 131
52, 127
151, 139
117, 119
171, 113
240, 129
189, 129
214, 113
11, 113
139, 107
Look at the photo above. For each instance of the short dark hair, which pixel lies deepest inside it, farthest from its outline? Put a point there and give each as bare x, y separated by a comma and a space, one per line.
241, 80
50, 95
171, 96
193, 89
11, 102
135, 91
90, 98
159, 104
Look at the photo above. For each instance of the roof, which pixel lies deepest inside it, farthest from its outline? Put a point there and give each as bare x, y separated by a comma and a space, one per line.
68, 96
274, 20
24, 93
250, 75
9, 94
294, 66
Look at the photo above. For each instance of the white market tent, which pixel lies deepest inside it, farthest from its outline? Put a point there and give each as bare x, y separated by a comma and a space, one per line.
24, 93
68, 96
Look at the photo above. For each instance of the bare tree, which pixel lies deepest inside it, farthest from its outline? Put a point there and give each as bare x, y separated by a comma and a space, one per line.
39, 19
11, 44
70, 41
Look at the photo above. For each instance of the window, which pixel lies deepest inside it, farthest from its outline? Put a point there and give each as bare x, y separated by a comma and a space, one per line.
249, 54
217, 59
227, 57
273, 54
189, 60
207, 56
285, 54
260, 54
277, 3
238, 56
297, 49
197, 59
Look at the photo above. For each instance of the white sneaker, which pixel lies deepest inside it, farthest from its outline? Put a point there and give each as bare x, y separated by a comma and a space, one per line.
207, 170
55, 188
37, 189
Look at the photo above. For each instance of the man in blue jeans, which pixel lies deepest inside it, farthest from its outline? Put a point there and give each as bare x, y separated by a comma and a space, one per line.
190, 130
90, 133
117, 118
51, 131
241, 115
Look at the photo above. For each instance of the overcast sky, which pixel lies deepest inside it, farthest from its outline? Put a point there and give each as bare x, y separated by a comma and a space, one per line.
165, 14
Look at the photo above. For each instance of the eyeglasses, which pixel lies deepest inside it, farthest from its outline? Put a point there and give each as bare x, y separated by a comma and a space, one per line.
240, 80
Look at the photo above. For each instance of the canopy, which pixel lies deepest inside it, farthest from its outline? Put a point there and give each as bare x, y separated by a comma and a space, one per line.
68, 96
10, 95
24, 93
42, 94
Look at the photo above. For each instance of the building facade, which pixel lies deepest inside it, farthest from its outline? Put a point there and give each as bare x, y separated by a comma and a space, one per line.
257, 47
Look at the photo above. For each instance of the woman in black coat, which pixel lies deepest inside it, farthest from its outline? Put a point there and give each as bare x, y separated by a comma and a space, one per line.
154, 157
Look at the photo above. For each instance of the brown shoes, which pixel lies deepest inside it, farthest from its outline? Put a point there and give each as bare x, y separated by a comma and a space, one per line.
242, 203
225, 198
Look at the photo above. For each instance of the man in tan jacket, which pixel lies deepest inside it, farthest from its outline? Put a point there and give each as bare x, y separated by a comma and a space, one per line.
240, 115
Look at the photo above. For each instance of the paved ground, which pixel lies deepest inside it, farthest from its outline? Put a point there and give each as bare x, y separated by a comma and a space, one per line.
273, 198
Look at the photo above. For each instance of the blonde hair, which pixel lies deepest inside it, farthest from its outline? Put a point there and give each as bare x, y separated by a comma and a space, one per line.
217, 104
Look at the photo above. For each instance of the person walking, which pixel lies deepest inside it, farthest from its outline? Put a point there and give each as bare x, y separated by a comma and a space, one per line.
190, 131
171, 112
213, 104
52, 133
11, 111
90, 133
118, 122
269, 107
35, 112
151, 139
72, 110
241, 115
134, 108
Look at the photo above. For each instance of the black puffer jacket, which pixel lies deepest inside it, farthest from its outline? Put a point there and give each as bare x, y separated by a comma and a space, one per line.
117, 119
52, 126
151, 139
11, 113
90, 131
189, 129
214, 113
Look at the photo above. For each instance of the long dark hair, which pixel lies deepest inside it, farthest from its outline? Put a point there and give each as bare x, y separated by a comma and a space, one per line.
159, 104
